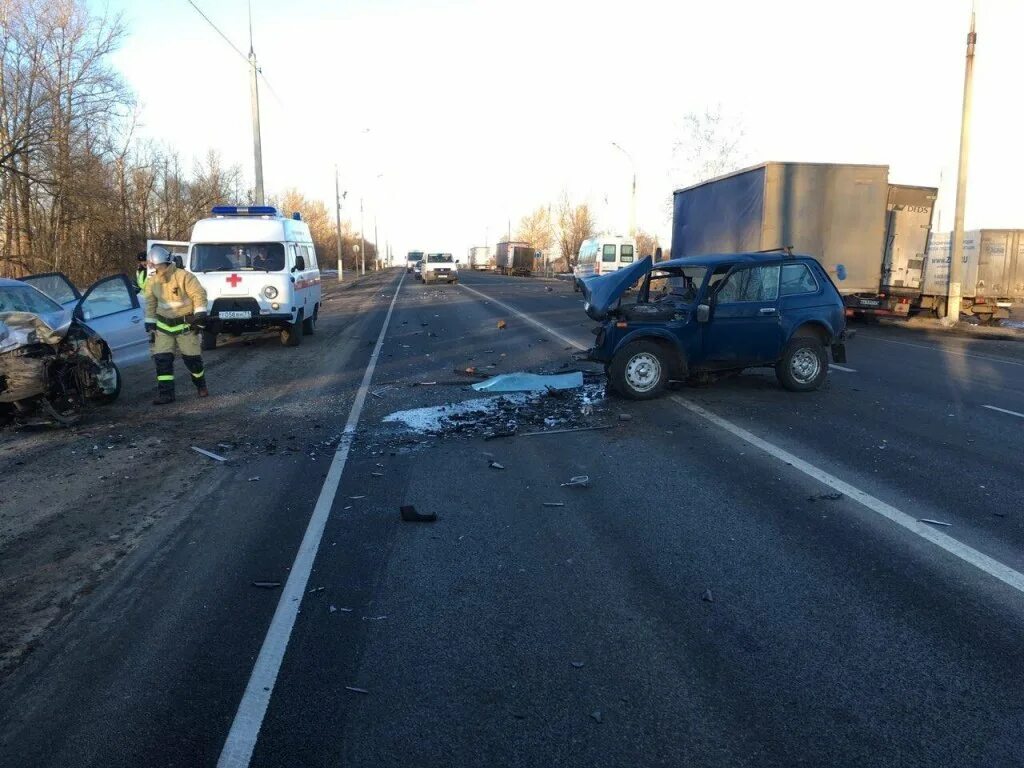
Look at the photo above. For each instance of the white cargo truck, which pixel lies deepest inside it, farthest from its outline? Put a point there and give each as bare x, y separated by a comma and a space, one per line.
479, 258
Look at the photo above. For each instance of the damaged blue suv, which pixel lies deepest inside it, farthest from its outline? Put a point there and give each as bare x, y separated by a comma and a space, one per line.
702, 316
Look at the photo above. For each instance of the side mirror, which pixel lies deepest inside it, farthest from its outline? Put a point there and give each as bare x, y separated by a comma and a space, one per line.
703, 313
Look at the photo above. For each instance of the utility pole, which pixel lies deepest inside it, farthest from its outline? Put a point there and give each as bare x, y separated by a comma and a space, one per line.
376, 247
362, 237
254, 96
632, 201
337, 198
957, 247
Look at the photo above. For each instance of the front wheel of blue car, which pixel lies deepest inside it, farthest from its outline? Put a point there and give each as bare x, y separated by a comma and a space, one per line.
639, 371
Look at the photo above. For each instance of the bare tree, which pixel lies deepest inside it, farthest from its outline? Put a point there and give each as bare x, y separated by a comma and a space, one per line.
646, 243
575, 224
537, 229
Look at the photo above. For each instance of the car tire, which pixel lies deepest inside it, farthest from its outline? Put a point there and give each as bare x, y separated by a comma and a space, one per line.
208, 340
639, 371
107, 399
804, 365
309, 325
291, 334
575, 285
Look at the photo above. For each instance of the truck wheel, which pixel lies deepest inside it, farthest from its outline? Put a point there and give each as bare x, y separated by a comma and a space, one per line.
309, 326
291, 334
208, 340
639, 371
804, 365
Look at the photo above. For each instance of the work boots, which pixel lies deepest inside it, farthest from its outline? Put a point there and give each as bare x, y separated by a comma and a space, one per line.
163, 398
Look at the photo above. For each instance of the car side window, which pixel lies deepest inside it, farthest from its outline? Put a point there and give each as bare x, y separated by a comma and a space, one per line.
310, 257
751, 284
608, 253
107, 298
797, 278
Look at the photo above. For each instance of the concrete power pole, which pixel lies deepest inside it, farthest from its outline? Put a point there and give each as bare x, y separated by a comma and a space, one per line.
632, 199
376, 247
957, 247
254, 96
337, 197
362, 237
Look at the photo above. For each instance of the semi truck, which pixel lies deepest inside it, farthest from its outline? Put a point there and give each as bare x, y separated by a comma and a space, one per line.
513, 258
479, 258
869, 235
991, 276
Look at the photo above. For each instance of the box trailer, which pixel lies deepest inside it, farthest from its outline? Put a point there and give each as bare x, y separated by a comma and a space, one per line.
514, 258
479, 257
991, 276
839, 214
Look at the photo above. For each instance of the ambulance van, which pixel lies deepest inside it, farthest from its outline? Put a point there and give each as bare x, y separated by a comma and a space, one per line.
260, 273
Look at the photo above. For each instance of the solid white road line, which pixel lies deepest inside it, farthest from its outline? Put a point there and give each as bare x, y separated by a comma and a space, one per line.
833, 366
1003, 410
956, 548
524, 316
245, 729
943, 350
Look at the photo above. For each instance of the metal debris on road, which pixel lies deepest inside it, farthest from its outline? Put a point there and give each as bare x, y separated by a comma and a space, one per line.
355, 690
933, 522
374, 618
410, 515
554, 503
578, 664
597, 716
625, 417
357, 497
206, 453
377, 474
826, 497
579, 481
254, 479
495, 465
267, 584
502, 325
564, 431
315, 590
530, 382
708, 597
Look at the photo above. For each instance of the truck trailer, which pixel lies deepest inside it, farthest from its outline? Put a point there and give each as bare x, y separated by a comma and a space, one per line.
479, 258
514, 258
991, 277
869, 236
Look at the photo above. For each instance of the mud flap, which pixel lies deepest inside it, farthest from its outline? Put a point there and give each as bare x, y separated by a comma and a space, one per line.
839, 353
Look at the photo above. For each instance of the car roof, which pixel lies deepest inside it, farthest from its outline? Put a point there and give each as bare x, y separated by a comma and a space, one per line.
7, 282
718, 259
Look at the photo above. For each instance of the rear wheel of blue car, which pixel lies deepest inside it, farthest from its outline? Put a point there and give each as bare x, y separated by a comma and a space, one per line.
804, 365
639, 371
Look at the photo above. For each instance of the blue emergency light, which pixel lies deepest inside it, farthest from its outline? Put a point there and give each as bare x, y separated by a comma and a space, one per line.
236, 210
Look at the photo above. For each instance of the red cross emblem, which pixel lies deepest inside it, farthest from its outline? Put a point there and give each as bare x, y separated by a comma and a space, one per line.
234, 280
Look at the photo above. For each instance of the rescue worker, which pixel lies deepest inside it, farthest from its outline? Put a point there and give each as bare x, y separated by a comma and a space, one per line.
141, 272
176, 311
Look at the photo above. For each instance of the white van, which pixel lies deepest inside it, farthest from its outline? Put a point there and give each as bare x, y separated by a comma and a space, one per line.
603, 254
259, 270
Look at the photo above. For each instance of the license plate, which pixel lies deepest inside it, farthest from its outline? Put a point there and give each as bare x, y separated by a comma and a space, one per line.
870, 302
235, 315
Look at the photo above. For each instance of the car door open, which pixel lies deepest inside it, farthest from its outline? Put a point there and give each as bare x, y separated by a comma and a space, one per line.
111, 308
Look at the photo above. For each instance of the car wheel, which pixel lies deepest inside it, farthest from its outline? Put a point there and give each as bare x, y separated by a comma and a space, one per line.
291, 334
106, 399
639, 371
309, 326
208, 340
575, 286
804, 365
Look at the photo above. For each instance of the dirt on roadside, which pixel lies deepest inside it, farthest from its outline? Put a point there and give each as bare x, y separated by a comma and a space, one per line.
74, 502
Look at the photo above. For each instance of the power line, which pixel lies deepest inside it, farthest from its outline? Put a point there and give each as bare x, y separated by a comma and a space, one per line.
215, 29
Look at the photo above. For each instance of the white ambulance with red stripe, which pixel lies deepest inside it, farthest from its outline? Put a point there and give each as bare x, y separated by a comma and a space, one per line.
260, 273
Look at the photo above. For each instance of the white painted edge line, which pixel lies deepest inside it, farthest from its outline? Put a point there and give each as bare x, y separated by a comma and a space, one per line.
245, 729
833, 366
1003, 410
956, 548
524, 316
943, 351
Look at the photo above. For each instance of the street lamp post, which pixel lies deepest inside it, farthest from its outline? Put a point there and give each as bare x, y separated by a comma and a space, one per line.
632, 202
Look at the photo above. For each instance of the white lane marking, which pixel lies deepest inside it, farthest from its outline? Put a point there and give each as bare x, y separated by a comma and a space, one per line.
1003, 410
524, 316
841, 368
953, 546
241, 740
944, 350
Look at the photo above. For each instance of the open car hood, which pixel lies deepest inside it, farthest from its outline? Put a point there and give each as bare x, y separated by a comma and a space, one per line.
19, 329
601, 292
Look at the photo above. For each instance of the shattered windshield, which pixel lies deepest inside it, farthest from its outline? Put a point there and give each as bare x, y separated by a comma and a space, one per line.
237, 257
680, 286
24, 298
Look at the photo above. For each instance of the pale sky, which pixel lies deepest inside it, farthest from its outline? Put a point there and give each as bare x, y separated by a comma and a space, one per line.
480, 110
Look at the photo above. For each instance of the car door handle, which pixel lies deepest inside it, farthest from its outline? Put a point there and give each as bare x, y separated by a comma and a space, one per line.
767, 310
136, 318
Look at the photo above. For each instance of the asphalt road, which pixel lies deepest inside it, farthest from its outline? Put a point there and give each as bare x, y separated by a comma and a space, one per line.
704, 601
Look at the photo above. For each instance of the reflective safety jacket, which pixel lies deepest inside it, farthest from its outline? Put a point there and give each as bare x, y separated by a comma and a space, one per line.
172, 296
141, 275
